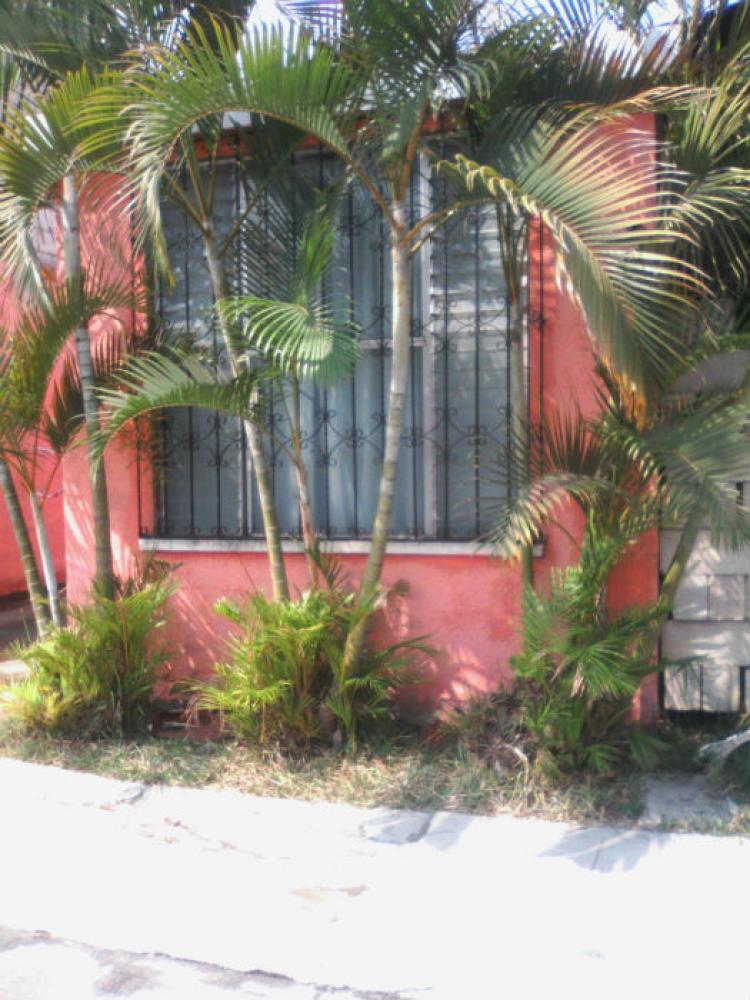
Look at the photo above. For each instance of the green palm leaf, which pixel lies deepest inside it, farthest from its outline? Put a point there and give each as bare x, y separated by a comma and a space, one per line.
269, 72
297, 332
594, 190
156, 382
296, 337
36, 349
39, 146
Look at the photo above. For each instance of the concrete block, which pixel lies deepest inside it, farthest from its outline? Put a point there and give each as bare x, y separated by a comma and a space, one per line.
682, 688
721, 689
704, 687
706, 559
691, 601
727, 598
722, 644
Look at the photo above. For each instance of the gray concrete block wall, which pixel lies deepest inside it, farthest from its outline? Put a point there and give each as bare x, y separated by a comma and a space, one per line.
710, 626
709, 634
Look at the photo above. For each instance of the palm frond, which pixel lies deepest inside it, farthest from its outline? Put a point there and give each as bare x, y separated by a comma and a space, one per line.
709, 144
158, 381
269, 73
296, 337
594, 190
39, 144
35, 351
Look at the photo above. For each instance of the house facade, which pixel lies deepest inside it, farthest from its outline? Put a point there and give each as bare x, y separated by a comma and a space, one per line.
188, 497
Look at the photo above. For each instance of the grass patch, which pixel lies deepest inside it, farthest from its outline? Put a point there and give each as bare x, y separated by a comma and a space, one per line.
398, 772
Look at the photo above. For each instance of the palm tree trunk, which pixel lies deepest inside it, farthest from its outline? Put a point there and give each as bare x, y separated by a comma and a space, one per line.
309, 535
518, 415
513, 249
279, 584
25, 549
48, 564
400, 329
105, 578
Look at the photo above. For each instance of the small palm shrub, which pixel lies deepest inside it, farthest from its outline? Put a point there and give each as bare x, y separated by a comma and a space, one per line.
580, 666
95, 676
284, 680
576, 677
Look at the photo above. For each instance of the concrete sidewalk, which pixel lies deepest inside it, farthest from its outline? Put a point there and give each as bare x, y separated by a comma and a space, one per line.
374, 902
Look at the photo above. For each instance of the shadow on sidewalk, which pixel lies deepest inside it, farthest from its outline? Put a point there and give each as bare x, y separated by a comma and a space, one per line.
606, 849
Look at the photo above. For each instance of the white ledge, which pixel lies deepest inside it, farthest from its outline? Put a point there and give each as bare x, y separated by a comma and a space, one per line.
397, 547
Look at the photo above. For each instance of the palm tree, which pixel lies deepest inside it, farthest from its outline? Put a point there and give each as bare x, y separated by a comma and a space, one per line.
191, 186
666, 455
40, 391
368, 95
295, 337
299, 337
320, 90
57, 47
10, 83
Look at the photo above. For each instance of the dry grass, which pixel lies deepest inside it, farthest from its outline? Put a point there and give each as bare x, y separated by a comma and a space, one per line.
398, 773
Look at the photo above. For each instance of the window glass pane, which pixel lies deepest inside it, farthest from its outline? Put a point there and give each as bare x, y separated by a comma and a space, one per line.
469, 328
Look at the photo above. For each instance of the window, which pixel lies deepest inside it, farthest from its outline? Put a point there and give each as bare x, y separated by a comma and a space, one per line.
457, 418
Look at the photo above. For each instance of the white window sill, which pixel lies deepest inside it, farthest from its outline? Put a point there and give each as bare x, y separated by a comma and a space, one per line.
343, 547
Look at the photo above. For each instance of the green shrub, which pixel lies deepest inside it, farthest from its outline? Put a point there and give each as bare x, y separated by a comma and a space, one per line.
579, 667
284, 679
95, 676
574, 679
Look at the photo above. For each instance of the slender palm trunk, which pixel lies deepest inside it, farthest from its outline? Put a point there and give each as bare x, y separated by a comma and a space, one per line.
309, 535
279, 584
513, 248
105, 578
48, 564
401, 284
518, 415
25, 549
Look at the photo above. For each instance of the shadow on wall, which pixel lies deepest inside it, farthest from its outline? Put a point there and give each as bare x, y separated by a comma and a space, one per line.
464, 607
195, 634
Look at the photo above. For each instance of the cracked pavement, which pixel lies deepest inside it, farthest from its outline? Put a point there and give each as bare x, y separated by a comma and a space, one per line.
36, 966
111, 888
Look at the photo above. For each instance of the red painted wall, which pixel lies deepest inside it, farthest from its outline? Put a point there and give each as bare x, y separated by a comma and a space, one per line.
468, 605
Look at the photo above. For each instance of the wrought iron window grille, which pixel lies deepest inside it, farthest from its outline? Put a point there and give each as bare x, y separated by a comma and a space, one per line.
458, 416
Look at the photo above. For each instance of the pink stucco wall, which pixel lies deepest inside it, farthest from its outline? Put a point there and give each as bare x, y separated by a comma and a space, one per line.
49, 490
468, 605
12, 580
